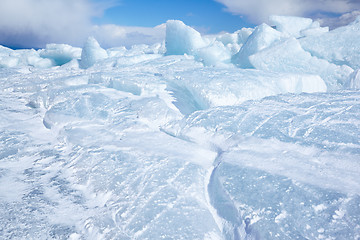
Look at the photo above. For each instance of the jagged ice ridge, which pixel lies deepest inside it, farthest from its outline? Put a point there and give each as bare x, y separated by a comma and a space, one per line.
247, 135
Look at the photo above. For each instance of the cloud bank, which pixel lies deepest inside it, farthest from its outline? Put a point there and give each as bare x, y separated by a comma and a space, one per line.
26, 23
344, 19
34, 23
111, 35
258, 11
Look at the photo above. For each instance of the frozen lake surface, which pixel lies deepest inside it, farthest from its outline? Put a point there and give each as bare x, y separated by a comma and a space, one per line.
249, 135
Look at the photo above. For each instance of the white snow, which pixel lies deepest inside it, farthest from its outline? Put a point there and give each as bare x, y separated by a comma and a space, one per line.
178, 141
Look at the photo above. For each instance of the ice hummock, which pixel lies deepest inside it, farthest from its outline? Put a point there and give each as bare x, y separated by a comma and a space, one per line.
91, 53
288, 56
178, 141
60, 54
262, 37
339, 46
292, 26
181, 39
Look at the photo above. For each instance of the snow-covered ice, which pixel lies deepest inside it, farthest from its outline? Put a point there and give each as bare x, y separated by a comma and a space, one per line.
339, 46
60, 53
246, 135
182, 39
289, 57
262, 37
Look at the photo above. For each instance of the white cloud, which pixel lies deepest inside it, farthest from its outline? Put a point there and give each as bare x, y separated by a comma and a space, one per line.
36, 22
258, 11
335, 22
113, 35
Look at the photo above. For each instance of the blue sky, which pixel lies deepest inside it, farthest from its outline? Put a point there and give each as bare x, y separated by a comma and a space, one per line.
207, 16
34, 23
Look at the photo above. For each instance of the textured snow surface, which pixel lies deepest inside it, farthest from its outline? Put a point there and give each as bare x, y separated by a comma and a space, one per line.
143, 144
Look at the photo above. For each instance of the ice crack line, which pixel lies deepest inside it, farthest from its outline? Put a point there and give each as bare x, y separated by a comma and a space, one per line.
233, 226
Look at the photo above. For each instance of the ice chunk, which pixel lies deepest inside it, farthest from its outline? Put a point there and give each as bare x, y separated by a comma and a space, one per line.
232, 86
314, 31
23, 57
227, 38
6, 58
354, 80
60, 53
8, 61
140, 49
339, 46
262, 37
116, 51
91, 53
290, 25
73, 64
38, 62
32, 58
214, 54
288, 56
234, 41
182, 39
239, 37
243, 34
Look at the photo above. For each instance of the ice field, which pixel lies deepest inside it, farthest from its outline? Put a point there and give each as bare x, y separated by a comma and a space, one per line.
246, 135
